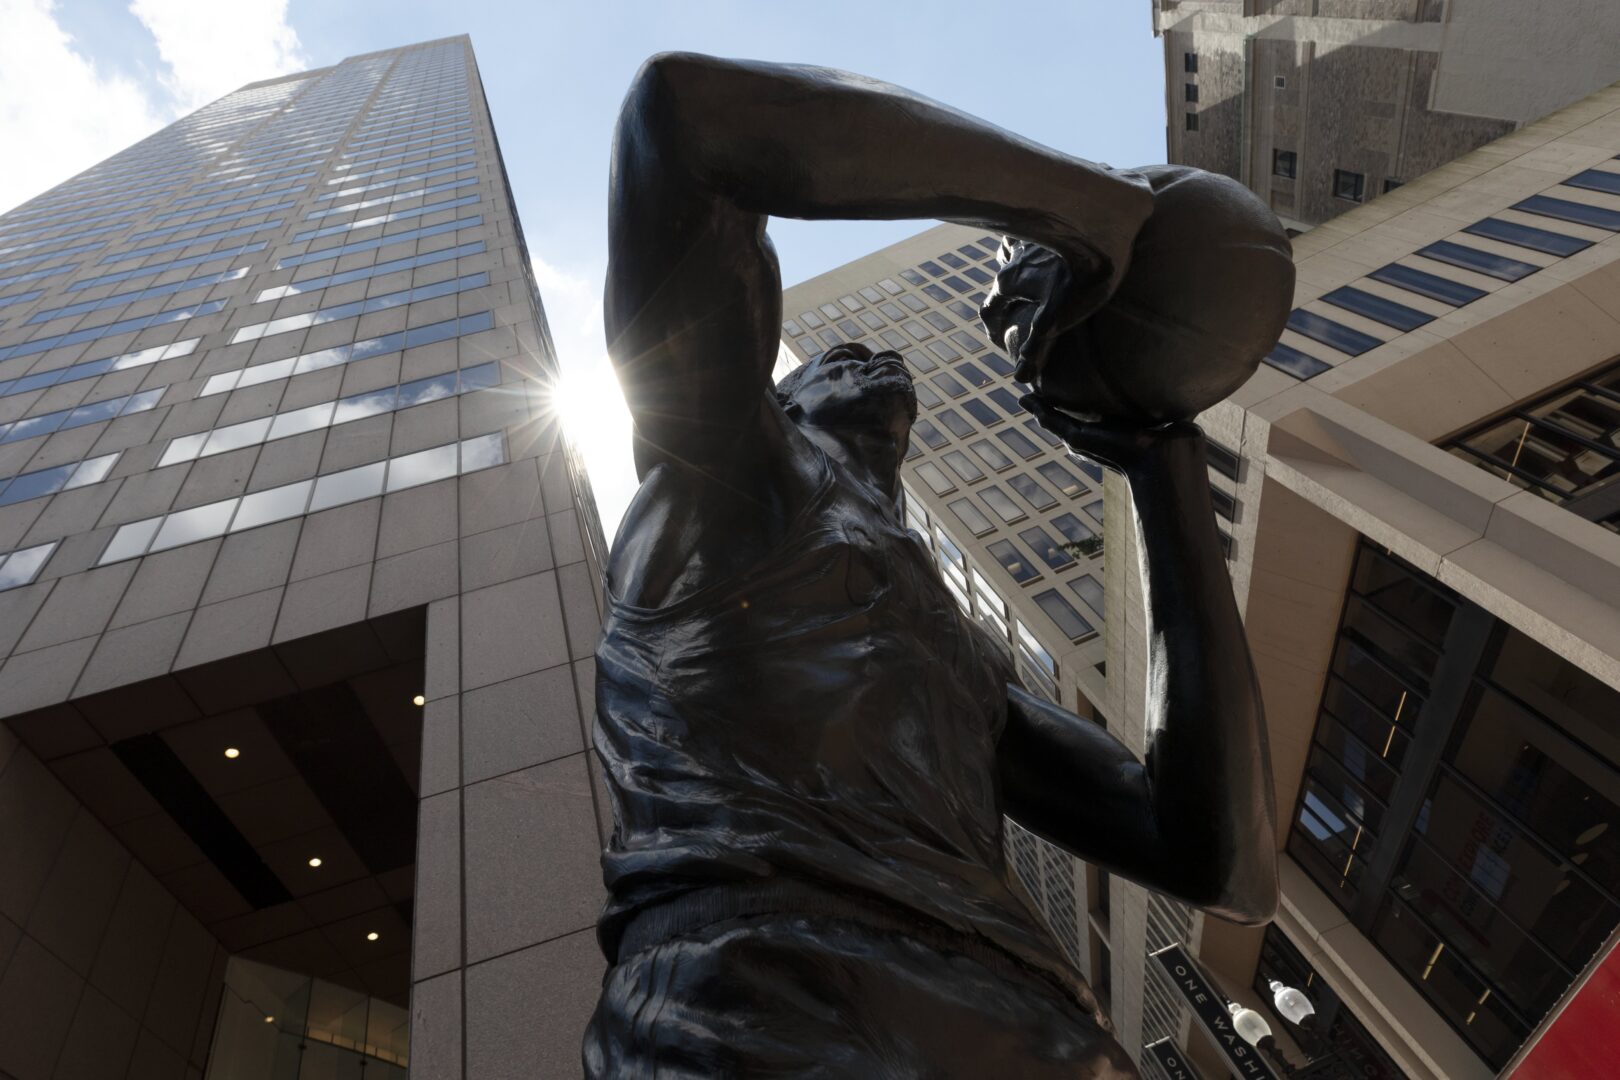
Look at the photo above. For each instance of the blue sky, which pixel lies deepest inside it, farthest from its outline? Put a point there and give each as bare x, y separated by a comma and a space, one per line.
1084, 76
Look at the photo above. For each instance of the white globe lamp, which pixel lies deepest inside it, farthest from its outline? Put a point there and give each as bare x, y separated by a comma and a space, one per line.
1292, 1005
1250, 1025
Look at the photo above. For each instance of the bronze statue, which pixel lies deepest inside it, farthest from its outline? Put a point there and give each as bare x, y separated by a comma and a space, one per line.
809, 750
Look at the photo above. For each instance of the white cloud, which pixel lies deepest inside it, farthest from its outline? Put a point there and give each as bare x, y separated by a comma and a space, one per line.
592, 403
59, 113
212, 47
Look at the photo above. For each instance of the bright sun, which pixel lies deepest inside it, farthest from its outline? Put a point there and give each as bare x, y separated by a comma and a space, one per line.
593, 411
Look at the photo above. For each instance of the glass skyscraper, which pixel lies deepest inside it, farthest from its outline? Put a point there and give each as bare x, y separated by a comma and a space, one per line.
298, 596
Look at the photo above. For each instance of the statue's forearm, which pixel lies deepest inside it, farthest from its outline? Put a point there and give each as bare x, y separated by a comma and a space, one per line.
1196, 820
812, 142
1207, 764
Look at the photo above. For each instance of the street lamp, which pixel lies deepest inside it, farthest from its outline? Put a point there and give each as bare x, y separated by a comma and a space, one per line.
1292, 1005
1252, 1028
1249, 1025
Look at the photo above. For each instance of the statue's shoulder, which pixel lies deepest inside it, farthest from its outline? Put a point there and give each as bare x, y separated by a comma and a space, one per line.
683, 533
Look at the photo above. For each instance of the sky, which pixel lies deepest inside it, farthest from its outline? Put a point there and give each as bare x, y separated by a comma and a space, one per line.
82, 79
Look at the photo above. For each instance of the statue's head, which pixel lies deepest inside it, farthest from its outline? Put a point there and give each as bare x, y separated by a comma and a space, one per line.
849, 388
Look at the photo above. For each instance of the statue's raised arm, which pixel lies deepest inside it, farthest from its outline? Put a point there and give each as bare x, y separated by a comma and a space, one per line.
707, 149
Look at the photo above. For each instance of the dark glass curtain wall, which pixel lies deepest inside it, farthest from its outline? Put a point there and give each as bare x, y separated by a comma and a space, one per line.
1459, 802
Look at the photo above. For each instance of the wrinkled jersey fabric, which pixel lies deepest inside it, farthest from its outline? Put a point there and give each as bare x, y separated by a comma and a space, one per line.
829, 715
807, 997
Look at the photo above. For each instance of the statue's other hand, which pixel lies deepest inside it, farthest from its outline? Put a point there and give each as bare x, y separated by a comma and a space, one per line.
1130, 448
1037, 295
1040, 294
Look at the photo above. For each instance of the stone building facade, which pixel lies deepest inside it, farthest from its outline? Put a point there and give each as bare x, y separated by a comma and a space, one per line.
1319, 105
298, 601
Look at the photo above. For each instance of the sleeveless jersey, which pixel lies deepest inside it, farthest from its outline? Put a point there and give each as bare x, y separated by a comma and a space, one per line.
830, 716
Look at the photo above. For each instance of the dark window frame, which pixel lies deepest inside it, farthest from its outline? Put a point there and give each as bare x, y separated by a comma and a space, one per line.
1346, 180
1361, 877
1597, 500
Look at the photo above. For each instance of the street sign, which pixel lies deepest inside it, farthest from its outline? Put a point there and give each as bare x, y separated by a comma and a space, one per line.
1209, 1006
1170, 1059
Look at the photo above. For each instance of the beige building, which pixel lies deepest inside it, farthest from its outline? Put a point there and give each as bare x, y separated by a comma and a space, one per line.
299, 590
1319, 105
1422, 510
1425, 499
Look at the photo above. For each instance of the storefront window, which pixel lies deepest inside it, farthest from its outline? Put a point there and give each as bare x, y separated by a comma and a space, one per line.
1459, 801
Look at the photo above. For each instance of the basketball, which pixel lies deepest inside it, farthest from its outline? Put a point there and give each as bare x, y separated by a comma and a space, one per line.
1209, 287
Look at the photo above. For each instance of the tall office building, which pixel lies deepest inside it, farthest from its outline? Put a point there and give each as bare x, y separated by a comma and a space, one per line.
1422, 492
298, 596
1319, 105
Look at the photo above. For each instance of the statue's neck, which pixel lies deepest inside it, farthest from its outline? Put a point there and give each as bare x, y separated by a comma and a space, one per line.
872, 457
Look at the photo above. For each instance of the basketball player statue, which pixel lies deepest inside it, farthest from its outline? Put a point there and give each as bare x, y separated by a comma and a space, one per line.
808, 748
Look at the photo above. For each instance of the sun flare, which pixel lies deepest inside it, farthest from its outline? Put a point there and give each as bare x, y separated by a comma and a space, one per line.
591, 405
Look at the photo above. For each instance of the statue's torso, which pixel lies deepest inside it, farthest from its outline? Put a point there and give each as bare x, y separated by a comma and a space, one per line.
826, 715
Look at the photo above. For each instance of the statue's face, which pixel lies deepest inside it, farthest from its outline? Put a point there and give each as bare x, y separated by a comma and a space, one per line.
850, 387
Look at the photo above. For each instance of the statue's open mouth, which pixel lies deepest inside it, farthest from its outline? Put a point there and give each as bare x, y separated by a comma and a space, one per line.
886, 361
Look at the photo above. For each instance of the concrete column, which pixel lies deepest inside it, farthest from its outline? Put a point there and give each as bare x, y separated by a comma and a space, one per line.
506, 967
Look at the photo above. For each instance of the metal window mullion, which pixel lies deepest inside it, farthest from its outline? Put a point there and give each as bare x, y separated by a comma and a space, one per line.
1376, 755
1534, 838
1601, 391
1574, 436
1338, 803
1389, 664
1365, 650
1460, 657
1498, 994
1404, 627
1325, 846
1494, 462
1496, 907
1392, 620
1433, 588
1597, 501
1550, 728
1323, 867
1377, 709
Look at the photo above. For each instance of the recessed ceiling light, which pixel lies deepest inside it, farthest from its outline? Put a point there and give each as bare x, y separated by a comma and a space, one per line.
232, 752
315, 861
418, 700
269, 1019
372, 936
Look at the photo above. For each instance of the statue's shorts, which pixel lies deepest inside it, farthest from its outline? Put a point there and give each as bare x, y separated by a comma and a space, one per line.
800, 996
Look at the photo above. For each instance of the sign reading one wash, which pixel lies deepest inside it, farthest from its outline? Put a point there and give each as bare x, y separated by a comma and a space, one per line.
1210, 1008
